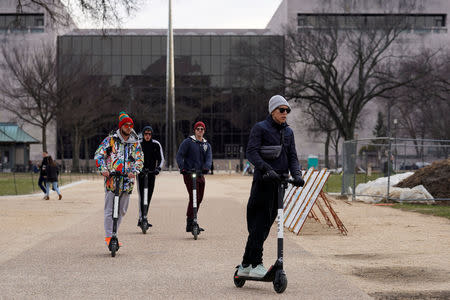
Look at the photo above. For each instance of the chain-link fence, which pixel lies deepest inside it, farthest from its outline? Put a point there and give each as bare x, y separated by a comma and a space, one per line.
365, 160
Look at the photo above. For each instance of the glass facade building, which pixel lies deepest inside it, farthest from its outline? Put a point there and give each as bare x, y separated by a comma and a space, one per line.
212, 79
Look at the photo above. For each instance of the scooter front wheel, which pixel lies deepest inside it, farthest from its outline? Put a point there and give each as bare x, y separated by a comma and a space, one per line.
144, 226
195, 231
280, 282
238, 282
113, 247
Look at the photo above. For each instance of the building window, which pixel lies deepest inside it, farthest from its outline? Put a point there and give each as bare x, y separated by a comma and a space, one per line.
22, 22
349, 21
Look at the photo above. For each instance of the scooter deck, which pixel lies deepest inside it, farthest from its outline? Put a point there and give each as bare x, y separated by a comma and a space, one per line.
270, 275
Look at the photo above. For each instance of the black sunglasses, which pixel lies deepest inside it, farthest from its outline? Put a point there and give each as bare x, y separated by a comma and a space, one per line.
147, 133
282, 110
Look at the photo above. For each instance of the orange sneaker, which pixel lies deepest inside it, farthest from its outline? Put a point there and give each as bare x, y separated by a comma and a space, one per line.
108, 239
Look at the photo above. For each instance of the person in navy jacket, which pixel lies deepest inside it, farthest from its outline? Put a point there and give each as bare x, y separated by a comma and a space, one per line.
262, 204
194, 154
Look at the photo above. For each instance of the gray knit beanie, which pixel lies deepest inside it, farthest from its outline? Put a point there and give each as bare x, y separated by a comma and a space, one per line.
276, 101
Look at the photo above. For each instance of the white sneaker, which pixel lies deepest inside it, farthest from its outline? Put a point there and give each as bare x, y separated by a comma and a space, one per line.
244, 271
258, 272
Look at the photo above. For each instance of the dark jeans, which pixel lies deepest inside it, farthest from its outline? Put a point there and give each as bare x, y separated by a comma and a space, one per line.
151, 186
261, 213
200, 191
42, 184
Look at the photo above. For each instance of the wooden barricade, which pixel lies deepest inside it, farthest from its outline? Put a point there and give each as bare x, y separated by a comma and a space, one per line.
299, 202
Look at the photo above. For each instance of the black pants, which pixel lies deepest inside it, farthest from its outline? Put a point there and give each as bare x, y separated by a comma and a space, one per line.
42, 184
151, 186
200, 186
261, 213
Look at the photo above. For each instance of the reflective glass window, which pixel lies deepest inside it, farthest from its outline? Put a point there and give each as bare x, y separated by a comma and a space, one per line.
126, 64
156, 45
146, 45
196, 45
96, 45
116, 64
106, 65
86, 45
205, 45
136, 65
106, 45
116, 46
76, 44
185, 45
136, 45
126, 45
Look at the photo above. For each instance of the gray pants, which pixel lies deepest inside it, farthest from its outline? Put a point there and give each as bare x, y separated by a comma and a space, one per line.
123, 207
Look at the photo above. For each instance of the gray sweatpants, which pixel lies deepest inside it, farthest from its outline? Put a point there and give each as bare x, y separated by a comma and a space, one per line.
123, 206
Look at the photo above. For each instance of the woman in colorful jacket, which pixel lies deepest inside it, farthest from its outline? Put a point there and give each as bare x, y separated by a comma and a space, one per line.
120, 152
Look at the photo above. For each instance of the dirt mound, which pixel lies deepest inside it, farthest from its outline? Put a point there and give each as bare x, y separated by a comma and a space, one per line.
435, 178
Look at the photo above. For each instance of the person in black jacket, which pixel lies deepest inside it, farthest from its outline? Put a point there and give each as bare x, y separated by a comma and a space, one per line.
269, 165
194, 153
52, 178
153, 162
43, 173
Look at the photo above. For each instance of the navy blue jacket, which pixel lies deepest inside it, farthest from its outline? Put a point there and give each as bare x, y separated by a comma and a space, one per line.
194, 154
268, 133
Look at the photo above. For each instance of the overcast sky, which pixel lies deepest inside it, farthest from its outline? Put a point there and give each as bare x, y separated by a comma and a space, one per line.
253, 14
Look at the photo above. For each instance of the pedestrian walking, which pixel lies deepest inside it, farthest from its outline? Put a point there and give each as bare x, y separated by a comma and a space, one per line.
52, 171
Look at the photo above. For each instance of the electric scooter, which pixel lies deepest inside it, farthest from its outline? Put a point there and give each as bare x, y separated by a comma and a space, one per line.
195, 227
275, 273
114, 242
144, 203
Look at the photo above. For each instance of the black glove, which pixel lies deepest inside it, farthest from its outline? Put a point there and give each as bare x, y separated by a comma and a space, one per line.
157, 170
271, 175
205, 171
298, 180
183, 171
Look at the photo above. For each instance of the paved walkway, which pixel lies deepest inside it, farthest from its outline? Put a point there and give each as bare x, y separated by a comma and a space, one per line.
70, 260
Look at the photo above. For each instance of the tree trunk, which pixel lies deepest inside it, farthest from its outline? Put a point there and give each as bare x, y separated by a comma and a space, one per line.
44, 137
76, 150
327, 145
61, 145
86, 154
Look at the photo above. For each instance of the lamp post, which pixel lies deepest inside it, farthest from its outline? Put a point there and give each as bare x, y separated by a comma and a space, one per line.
170, 97
395, 144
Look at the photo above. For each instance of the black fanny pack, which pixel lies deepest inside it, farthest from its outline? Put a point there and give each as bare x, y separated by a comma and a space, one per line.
273, 151
270, 152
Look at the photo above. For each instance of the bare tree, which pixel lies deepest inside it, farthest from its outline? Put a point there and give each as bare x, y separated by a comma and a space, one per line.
422, 106
81, 99
27, 89
104, 12
342, 63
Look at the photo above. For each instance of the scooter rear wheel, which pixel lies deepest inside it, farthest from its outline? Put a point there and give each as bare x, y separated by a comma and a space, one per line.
280, 282
238, 282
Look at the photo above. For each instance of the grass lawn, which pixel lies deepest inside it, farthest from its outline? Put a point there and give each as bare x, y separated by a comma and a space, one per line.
334, 182
429, 209
27, 183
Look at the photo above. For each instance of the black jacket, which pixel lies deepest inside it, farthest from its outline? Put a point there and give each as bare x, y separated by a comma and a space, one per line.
153, 154
43, 166
52, 173
194, 154
268, 133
